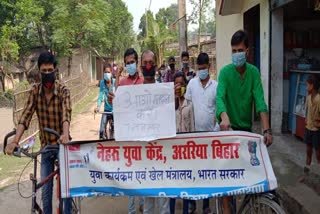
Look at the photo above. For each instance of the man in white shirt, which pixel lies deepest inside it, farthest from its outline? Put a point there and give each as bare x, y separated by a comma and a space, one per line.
202, 92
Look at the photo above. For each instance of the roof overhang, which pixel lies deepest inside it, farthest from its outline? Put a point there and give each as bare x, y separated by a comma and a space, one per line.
279, 3
229, 7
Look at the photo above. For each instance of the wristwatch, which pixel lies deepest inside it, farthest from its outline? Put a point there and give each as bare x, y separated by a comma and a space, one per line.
267, 131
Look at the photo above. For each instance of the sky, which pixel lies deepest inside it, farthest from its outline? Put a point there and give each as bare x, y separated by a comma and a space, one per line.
137, 9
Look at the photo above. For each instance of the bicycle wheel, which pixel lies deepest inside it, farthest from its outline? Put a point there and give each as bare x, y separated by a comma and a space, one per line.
262, 205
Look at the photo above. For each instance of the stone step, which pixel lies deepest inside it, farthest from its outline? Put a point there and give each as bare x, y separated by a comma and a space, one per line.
313, 181
300, 199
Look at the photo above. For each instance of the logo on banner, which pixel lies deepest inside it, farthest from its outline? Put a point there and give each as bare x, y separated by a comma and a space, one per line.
252, 148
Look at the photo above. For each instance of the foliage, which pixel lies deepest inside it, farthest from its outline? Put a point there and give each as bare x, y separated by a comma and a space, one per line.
166, 17
6, 98
18, 25
62, 25
155, 31
200, 7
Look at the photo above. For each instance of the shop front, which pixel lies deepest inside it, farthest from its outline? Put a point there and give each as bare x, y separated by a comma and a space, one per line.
301, 55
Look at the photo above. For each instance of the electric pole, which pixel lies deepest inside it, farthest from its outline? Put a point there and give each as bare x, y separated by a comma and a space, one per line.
182, 26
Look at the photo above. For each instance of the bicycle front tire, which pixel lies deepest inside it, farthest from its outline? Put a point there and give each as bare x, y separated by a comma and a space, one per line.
262, 205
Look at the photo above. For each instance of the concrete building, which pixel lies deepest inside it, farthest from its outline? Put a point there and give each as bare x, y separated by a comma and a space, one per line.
284, 45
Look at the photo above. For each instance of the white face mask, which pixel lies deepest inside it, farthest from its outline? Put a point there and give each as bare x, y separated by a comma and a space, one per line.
107, 76
163, 72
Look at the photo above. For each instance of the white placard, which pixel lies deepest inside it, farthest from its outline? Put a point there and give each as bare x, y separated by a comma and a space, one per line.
144, 112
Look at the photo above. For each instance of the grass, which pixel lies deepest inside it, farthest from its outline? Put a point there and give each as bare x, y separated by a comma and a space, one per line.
86, 102
11, 167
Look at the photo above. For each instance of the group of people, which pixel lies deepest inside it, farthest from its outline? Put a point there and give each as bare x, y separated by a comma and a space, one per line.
202, 104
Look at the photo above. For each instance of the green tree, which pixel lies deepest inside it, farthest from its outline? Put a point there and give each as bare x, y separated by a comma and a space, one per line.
165, 18
156, 41
199, 9
120, 30
62, 25
144, 23
159, 33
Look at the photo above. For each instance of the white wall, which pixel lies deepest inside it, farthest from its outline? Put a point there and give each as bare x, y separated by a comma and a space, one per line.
227, 25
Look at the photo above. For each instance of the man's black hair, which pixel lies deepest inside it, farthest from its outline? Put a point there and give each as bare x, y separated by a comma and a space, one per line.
238, 37
171, 58
314, 81
202, 59
180, 74
107, 65
47, 58
130, 51
184, 54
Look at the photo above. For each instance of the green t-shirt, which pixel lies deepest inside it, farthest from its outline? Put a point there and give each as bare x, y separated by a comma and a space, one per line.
235, 96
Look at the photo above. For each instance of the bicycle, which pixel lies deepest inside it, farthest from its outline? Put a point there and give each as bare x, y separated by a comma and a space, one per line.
261, 203
24, 149
109, 127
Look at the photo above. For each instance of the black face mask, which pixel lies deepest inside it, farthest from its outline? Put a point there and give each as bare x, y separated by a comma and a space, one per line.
47, 79
149, 71
172, 66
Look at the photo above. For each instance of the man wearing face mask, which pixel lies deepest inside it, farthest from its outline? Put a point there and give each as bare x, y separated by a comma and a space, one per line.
162, 72
172, 71
148, 68
106, 86
201, 91
131, 63
239, 87
188, 72
51, 101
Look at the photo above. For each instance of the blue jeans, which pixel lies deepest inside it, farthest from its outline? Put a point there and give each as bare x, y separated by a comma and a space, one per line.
131, 206
47, 167
104, 120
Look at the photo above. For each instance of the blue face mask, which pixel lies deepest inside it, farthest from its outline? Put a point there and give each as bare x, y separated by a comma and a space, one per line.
203, 74
131, 69
107, 76
239, 59
185, 64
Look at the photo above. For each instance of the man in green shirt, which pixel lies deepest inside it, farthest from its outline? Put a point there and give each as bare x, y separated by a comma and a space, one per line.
239, 86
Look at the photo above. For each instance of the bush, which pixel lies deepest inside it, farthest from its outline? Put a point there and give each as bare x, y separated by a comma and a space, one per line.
6, 98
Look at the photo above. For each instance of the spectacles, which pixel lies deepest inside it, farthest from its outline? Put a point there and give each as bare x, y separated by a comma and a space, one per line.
47, 70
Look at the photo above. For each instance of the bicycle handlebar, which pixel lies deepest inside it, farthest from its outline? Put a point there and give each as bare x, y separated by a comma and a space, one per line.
5, 141
24, 150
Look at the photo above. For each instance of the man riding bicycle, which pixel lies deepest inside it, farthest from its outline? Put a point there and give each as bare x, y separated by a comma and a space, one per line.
51, 101
107, 84
239, 87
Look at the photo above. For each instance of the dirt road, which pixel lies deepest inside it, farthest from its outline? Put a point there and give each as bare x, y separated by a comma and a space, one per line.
6, 123
84, 126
